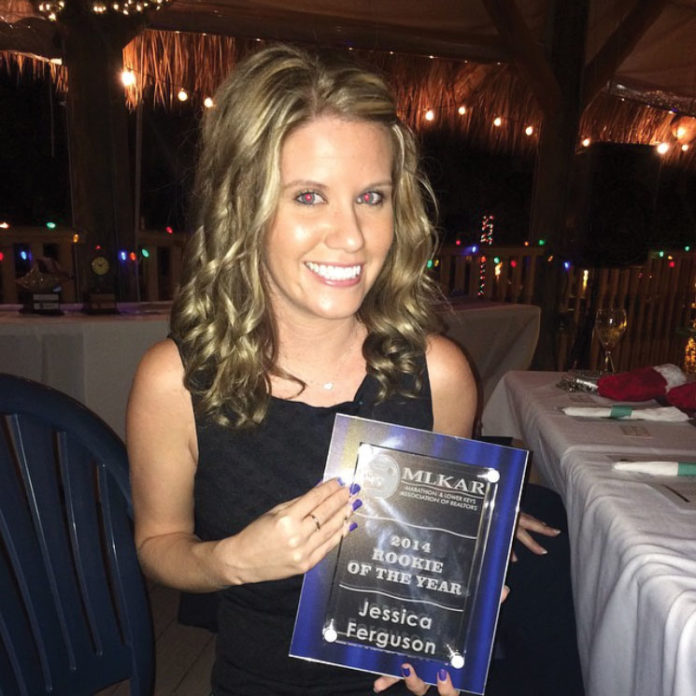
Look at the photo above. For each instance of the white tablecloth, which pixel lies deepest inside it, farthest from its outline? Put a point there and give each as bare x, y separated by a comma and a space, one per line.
93, 358
497, 336
633, 549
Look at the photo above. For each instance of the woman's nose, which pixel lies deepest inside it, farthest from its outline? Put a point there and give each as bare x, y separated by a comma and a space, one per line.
346, 230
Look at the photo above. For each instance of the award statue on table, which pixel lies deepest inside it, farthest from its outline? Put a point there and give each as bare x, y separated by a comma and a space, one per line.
100, 297
420, 579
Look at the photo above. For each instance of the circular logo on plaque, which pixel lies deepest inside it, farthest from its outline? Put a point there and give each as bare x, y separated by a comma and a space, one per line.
380, 472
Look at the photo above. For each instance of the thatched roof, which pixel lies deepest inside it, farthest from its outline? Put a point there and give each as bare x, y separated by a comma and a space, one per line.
448, 57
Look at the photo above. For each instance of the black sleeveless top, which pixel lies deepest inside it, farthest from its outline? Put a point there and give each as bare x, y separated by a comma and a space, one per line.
241, 474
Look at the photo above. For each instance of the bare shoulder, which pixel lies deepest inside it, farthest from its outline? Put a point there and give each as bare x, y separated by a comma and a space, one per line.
159, 401
453, 387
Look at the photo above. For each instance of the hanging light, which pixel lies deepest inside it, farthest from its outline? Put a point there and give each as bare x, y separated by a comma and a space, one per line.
128, 78
52, 8
662, 148
208, 103
529, 130
182, 95
586, 142
497, 121
429, 115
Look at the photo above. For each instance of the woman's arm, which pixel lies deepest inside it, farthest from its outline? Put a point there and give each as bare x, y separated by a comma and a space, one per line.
162, 449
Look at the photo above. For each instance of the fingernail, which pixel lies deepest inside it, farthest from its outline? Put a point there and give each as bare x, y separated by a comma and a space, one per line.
405, 672
354, 488
556, 531
544, 552
340, 481
353, 525
442, 675
357, 503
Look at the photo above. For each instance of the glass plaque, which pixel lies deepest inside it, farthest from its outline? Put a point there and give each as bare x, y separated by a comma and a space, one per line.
420, 578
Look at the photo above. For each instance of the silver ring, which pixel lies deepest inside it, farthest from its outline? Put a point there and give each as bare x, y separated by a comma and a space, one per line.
316, 520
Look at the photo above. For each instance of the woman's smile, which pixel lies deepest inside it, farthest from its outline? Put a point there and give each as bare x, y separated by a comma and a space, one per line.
336, 274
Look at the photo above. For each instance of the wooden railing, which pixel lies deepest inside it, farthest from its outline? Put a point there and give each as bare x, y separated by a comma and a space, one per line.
157, 265
504, 274
659, 296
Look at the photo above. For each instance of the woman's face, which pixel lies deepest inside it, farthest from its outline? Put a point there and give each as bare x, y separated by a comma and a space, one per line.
333, 226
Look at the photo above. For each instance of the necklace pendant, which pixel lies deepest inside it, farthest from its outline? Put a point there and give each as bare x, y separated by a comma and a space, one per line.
328, 386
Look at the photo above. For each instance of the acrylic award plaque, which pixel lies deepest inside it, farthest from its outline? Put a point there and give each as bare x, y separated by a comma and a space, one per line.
420, 579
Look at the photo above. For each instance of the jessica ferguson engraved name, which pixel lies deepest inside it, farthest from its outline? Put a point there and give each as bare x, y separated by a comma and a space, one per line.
384, 638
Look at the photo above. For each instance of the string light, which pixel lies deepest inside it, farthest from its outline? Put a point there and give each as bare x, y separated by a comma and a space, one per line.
487, 225
182, 95
662, 148
52, 8
5, 225
128, 78
208, 103
429, 115
586, 142
461, 110
497, 121
529, 130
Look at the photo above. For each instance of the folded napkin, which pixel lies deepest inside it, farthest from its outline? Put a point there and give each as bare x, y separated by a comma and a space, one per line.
659, 468
683, 396
641, 384
663, 413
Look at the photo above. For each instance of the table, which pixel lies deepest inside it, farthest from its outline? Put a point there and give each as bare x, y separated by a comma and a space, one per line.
93, 358
633, 548
497, 336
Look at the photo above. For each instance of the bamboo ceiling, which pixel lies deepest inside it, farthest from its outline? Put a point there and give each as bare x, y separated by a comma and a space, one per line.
164, 62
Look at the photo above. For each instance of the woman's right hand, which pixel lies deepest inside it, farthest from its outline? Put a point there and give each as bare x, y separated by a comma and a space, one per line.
290, 538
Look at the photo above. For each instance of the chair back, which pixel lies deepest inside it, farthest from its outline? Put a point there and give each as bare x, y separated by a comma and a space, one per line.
74, 614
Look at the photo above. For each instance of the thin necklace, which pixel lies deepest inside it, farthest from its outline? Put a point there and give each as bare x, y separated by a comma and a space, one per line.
329, 384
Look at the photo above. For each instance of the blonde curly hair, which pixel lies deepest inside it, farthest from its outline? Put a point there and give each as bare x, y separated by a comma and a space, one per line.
221, 316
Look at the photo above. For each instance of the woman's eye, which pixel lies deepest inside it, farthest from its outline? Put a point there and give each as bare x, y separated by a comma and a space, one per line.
371, 198
309, 198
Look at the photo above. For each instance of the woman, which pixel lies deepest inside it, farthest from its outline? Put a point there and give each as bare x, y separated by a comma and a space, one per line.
304, 295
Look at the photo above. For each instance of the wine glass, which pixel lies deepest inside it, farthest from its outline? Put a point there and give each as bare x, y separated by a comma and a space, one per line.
610, 326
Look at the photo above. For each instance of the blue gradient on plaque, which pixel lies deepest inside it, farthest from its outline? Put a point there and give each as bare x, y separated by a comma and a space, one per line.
308, 640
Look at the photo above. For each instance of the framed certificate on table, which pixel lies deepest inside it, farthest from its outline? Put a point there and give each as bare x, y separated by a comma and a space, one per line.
420, 579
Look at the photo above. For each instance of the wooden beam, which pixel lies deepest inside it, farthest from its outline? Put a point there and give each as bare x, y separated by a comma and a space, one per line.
527, 53
618, 46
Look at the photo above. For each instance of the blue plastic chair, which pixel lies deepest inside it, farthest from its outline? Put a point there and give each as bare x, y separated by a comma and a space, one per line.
74, 613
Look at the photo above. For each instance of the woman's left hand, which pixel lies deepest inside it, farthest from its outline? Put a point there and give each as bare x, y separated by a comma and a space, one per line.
415, 684
525, 524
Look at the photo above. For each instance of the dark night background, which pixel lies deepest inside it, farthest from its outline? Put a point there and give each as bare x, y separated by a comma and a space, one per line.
660, 212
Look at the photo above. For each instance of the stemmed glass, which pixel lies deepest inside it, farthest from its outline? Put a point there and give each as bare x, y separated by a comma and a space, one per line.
610, 326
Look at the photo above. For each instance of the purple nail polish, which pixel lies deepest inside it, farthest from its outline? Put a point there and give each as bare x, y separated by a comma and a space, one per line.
442, 675
357, 503
405, 672
340, 481
354, 488
353, 525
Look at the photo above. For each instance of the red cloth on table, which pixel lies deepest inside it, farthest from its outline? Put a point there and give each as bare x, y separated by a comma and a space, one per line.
683, 397
641, 384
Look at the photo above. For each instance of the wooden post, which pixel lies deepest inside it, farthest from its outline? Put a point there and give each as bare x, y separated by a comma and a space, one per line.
98, 137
